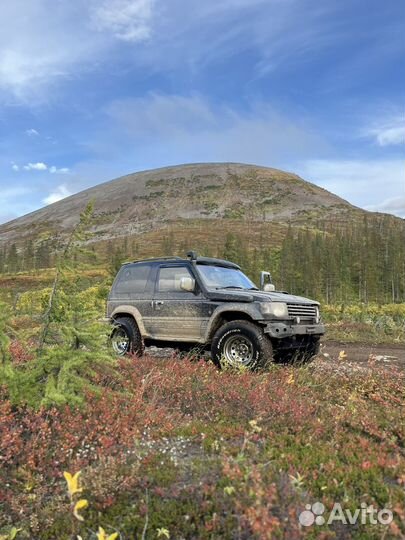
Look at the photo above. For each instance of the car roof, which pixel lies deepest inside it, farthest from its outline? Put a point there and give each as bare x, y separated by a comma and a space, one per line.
199, 260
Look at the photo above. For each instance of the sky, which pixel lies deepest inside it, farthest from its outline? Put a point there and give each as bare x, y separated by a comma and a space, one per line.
94, 89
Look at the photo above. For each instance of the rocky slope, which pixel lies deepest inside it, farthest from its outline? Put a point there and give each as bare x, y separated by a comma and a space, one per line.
147, 201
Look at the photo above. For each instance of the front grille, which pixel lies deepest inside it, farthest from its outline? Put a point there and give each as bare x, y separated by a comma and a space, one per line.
303, 311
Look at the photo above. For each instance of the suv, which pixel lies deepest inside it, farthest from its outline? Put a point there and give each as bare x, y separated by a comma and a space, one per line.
200, 302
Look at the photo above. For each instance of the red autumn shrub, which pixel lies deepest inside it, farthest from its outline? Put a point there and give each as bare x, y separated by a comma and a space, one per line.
184, 431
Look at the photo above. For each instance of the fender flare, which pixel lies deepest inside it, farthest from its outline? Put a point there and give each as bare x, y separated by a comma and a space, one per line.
247, 309
131, 311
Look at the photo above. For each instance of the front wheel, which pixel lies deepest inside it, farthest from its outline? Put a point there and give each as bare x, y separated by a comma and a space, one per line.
241, 344
126, 337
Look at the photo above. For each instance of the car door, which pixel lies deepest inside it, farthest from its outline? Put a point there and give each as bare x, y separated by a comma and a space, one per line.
179, 315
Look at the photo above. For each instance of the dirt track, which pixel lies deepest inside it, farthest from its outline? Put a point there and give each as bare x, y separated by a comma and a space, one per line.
363, 353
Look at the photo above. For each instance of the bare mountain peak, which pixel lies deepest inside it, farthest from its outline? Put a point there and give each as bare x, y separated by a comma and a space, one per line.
146, 200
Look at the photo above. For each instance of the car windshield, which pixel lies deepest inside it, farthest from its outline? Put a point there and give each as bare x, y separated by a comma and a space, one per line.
219, 277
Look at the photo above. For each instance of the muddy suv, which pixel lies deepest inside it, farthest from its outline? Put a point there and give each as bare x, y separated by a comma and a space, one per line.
205, 303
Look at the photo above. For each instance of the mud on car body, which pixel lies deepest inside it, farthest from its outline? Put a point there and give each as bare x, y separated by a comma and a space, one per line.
206, 303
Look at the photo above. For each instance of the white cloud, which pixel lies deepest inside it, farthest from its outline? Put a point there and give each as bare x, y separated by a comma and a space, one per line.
62, 170
57, 195
32, 132
372, 184
187, 35
395, 205
391, 136
129, 20
56, 41
39, 166
390, 132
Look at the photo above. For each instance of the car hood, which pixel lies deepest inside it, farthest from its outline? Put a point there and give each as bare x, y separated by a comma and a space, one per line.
258, 296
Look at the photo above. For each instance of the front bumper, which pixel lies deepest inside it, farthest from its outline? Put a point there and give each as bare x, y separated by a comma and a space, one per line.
281, 330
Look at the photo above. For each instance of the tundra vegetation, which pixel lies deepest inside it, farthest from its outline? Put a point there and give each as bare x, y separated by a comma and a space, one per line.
97, 447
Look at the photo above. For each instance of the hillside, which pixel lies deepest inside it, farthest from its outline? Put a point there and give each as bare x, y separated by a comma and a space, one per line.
147, 201
314, 242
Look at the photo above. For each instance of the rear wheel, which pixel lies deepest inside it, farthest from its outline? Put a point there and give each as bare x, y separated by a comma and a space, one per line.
241, 344
126, 337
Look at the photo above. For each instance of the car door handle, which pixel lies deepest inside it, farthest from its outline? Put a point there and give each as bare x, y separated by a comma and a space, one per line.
159, 302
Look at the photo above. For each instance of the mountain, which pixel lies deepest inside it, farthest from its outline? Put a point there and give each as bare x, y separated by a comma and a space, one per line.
210, 192
172, 209
315, 243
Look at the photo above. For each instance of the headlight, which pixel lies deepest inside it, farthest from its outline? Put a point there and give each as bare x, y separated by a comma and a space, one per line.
276, 309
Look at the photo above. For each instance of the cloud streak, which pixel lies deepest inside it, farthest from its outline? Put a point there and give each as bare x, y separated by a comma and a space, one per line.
172, 127
32, 132
394, 205
159, 36
362, 182
61, 192
35, 55
389, 133
128, 20
39, 166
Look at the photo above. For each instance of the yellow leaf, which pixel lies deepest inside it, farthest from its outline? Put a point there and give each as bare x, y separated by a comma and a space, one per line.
72, 483
342, 355
255, 427
163, 532
11, 535
290, 379
82, 503
102, 535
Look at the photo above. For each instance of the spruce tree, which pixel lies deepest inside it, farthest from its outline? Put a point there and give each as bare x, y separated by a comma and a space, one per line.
72, 345
4, 339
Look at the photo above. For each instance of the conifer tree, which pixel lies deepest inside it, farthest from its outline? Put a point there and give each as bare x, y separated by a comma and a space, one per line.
73, 342
4, 339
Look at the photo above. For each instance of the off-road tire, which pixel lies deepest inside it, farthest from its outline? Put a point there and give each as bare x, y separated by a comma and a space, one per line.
130, 328
244, 332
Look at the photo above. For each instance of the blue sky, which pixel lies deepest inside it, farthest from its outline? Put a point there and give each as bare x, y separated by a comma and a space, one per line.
94, 89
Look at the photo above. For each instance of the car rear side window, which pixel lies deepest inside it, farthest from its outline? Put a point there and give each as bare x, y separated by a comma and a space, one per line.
132, 279
169, 278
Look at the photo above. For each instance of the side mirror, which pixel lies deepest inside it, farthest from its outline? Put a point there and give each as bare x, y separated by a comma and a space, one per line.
269, 287
187, 284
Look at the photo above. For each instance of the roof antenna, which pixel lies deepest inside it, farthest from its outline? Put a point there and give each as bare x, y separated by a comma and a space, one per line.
192, 255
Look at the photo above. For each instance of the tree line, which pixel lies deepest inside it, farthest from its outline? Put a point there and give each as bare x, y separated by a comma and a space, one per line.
334, 262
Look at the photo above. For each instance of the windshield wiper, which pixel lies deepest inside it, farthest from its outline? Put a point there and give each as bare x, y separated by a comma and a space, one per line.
254, 289
229, 287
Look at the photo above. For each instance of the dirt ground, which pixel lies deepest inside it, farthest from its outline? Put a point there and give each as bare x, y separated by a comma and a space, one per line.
363, 353
366, 354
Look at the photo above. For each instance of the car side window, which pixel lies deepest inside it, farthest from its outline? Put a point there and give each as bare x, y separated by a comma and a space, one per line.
170, 277
133, 279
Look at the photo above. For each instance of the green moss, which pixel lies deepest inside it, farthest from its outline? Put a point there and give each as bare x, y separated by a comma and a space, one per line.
234, 213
